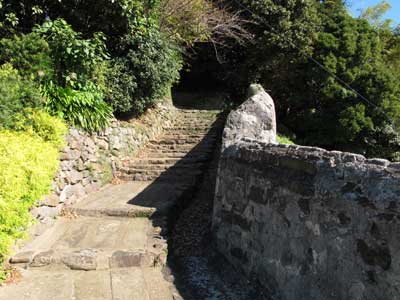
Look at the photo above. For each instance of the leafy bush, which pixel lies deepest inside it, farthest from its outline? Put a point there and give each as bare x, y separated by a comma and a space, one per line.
151, 65
285, 140
15, 95
81, 108
29, 54
121, 86
27, 167
40, 124
76, 59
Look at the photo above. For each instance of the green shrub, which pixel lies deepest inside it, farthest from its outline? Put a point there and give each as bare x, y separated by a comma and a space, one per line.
27, 167
40, 124
151, 65
29, 54
121, 86
285, 140
76, 59
15, 95
84, 108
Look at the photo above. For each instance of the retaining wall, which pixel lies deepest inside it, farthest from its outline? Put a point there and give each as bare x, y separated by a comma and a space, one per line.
89, 160
309, 223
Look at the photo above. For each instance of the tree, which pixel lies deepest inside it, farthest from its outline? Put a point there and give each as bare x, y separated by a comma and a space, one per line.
374, 15
198, 21
330, 113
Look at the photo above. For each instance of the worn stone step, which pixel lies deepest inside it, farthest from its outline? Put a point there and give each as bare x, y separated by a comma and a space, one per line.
121, 284
183, 141
165, 173
89, 243
163, 160
178, 127
89, 259
196, 138
133, 199
171, 178
177, 154
181, 147
130, 169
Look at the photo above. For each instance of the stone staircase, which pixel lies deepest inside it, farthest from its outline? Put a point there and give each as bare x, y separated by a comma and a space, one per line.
180, 153
113, 243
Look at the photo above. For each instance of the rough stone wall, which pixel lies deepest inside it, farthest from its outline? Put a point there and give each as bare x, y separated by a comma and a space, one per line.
310, 223
88, 161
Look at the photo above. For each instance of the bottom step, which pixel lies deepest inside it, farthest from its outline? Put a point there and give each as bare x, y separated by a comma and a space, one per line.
121, 284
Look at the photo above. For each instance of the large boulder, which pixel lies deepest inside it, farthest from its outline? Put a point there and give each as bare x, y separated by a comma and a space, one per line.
255, 119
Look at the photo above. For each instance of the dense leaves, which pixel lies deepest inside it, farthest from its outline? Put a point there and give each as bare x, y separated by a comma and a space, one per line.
83, 108
335, 78
15, 95
27, 167
144, 74
75, 59
358, 111
29, 54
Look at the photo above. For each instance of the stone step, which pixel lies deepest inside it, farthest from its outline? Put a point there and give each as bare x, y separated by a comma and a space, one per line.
204, 132
167, 153
130, 169
155, 174
189, 180
183, 141
88, 259
181, 147
163, 160
89, 243
178, 127
121, 284
195, 136
133, 199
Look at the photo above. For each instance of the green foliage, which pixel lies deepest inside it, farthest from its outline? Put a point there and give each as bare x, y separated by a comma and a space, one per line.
39, 123
76, 59
150, 66
285, 140
29, 54
331, 115
114, 18
27, 167
81, 108
15, 95
121, 86
374, 14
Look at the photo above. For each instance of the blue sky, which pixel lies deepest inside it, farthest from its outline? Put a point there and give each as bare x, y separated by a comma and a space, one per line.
394, 13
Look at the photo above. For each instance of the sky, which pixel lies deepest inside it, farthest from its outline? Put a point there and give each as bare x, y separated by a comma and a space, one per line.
394, 13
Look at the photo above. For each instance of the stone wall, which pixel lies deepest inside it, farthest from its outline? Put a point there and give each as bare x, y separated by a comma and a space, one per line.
310, 223
89, 160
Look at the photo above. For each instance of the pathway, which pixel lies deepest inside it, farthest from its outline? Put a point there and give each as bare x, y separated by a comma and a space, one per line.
112, 245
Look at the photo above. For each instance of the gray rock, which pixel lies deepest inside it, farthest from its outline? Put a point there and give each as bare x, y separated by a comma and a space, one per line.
81, 260
22, 257
46, 212
69, 191
73, 176
43, 259
103, 144
51, 201
66, 165
70, 155
124, 259
254, 119
115, 143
